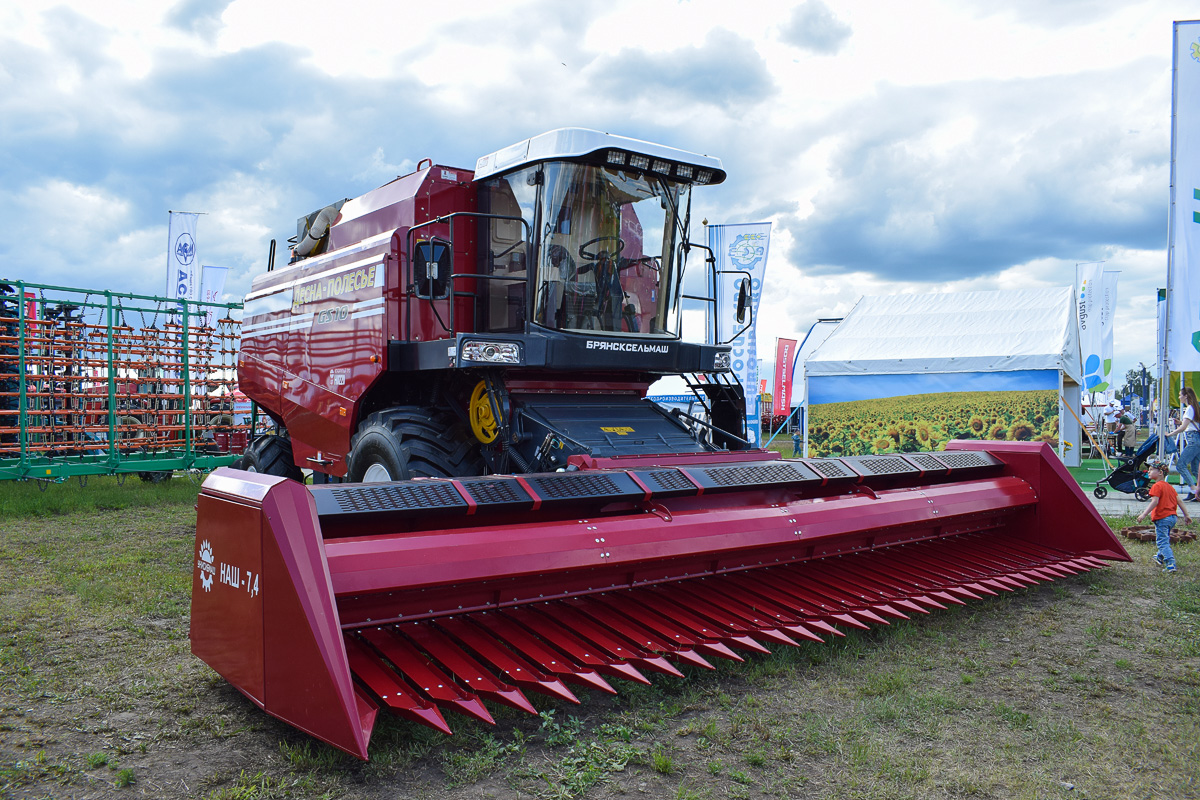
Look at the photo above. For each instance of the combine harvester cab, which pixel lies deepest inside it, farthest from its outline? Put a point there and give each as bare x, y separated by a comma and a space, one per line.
324, 604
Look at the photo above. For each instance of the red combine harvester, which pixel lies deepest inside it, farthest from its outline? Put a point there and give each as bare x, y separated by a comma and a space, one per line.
462, 359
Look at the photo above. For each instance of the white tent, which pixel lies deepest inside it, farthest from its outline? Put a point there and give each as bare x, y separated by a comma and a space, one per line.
911, 344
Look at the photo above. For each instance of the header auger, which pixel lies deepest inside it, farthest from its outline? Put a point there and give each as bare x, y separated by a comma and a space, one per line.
498, 510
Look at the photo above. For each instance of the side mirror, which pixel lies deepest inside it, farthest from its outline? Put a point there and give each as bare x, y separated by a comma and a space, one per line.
743, 301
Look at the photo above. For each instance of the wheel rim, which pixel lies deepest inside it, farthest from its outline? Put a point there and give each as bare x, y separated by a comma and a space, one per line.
251, 468
483, 421
377, 473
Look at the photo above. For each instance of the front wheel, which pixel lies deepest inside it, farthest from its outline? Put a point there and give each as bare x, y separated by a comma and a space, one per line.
1100, 492
1142, 494
271, 455
412, 442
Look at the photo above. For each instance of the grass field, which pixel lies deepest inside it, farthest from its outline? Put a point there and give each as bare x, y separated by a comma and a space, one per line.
1087, 687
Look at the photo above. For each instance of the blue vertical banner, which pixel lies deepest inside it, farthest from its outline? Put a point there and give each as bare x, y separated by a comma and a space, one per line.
183, 270
741, 252
212, 283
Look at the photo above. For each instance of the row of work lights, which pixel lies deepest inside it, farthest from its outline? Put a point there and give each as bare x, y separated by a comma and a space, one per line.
682, 171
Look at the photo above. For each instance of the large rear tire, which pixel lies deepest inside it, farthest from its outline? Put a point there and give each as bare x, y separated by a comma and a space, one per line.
271, 455
412, 442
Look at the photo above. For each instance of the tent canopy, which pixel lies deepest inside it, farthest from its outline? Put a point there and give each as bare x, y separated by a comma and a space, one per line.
1002, 331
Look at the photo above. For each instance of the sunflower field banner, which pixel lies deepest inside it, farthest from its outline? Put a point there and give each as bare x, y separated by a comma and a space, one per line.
911, 413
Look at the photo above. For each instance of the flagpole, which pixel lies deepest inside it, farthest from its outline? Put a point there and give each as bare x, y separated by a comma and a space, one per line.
1164, 370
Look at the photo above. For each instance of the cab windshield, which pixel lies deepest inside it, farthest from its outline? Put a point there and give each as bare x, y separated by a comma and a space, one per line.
606, 245
606, 251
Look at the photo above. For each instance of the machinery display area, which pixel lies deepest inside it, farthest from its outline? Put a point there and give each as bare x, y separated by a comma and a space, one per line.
100, 382
462, 360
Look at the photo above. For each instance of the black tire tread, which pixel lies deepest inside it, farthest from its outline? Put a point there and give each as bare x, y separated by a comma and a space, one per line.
272, 455
433, 443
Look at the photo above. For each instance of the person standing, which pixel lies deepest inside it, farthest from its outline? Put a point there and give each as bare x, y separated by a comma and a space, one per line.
1188, 462
796, 444
1162, 508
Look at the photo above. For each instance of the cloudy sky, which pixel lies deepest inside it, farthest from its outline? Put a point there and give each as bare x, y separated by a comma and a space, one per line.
897, 147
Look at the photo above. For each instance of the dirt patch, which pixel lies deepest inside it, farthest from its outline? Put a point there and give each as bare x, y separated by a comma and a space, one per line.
1087, 687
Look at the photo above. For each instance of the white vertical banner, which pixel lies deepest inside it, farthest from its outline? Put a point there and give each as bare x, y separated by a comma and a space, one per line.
741, 251
1161, 318
1108, 311
183, 270
212, 283
1089, 294
1183, 271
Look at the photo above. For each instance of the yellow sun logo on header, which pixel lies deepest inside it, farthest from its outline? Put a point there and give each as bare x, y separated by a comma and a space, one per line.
1196, 50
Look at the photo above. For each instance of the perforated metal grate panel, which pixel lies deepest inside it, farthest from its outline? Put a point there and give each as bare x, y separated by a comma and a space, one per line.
830, 468
743, 476
927, 462
408, 496
565, 487
750, 475
496, 491
666, 480
880, 465
965, 458
560, 487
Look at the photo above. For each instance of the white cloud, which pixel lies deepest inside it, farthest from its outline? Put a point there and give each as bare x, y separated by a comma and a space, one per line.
938, 144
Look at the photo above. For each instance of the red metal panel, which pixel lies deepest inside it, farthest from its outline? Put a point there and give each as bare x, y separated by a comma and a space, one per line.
226, 627
655, 620
579, 649
473, 675
701, 624
517, 669
731, 587
542, 654
616, 644
428, 678
388, 686
647, 638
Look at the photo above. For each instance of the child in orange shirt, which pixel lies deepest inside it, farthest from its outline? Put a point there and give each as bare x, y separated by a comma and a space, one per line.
1161, 508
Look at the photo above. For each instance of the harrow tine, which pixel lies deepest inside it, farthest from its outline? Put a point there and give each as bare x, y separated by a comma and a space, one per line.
545, 656
398, 696
474, 675
410, 663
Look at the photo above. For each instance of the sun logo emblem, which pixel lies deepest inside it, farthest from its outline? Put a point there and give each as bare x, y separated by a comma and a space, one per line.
1196, 50
205, 565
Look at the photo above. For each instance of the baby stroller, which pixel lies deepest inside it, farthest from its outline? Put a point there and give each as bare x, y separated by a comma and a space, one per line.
1130, 474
